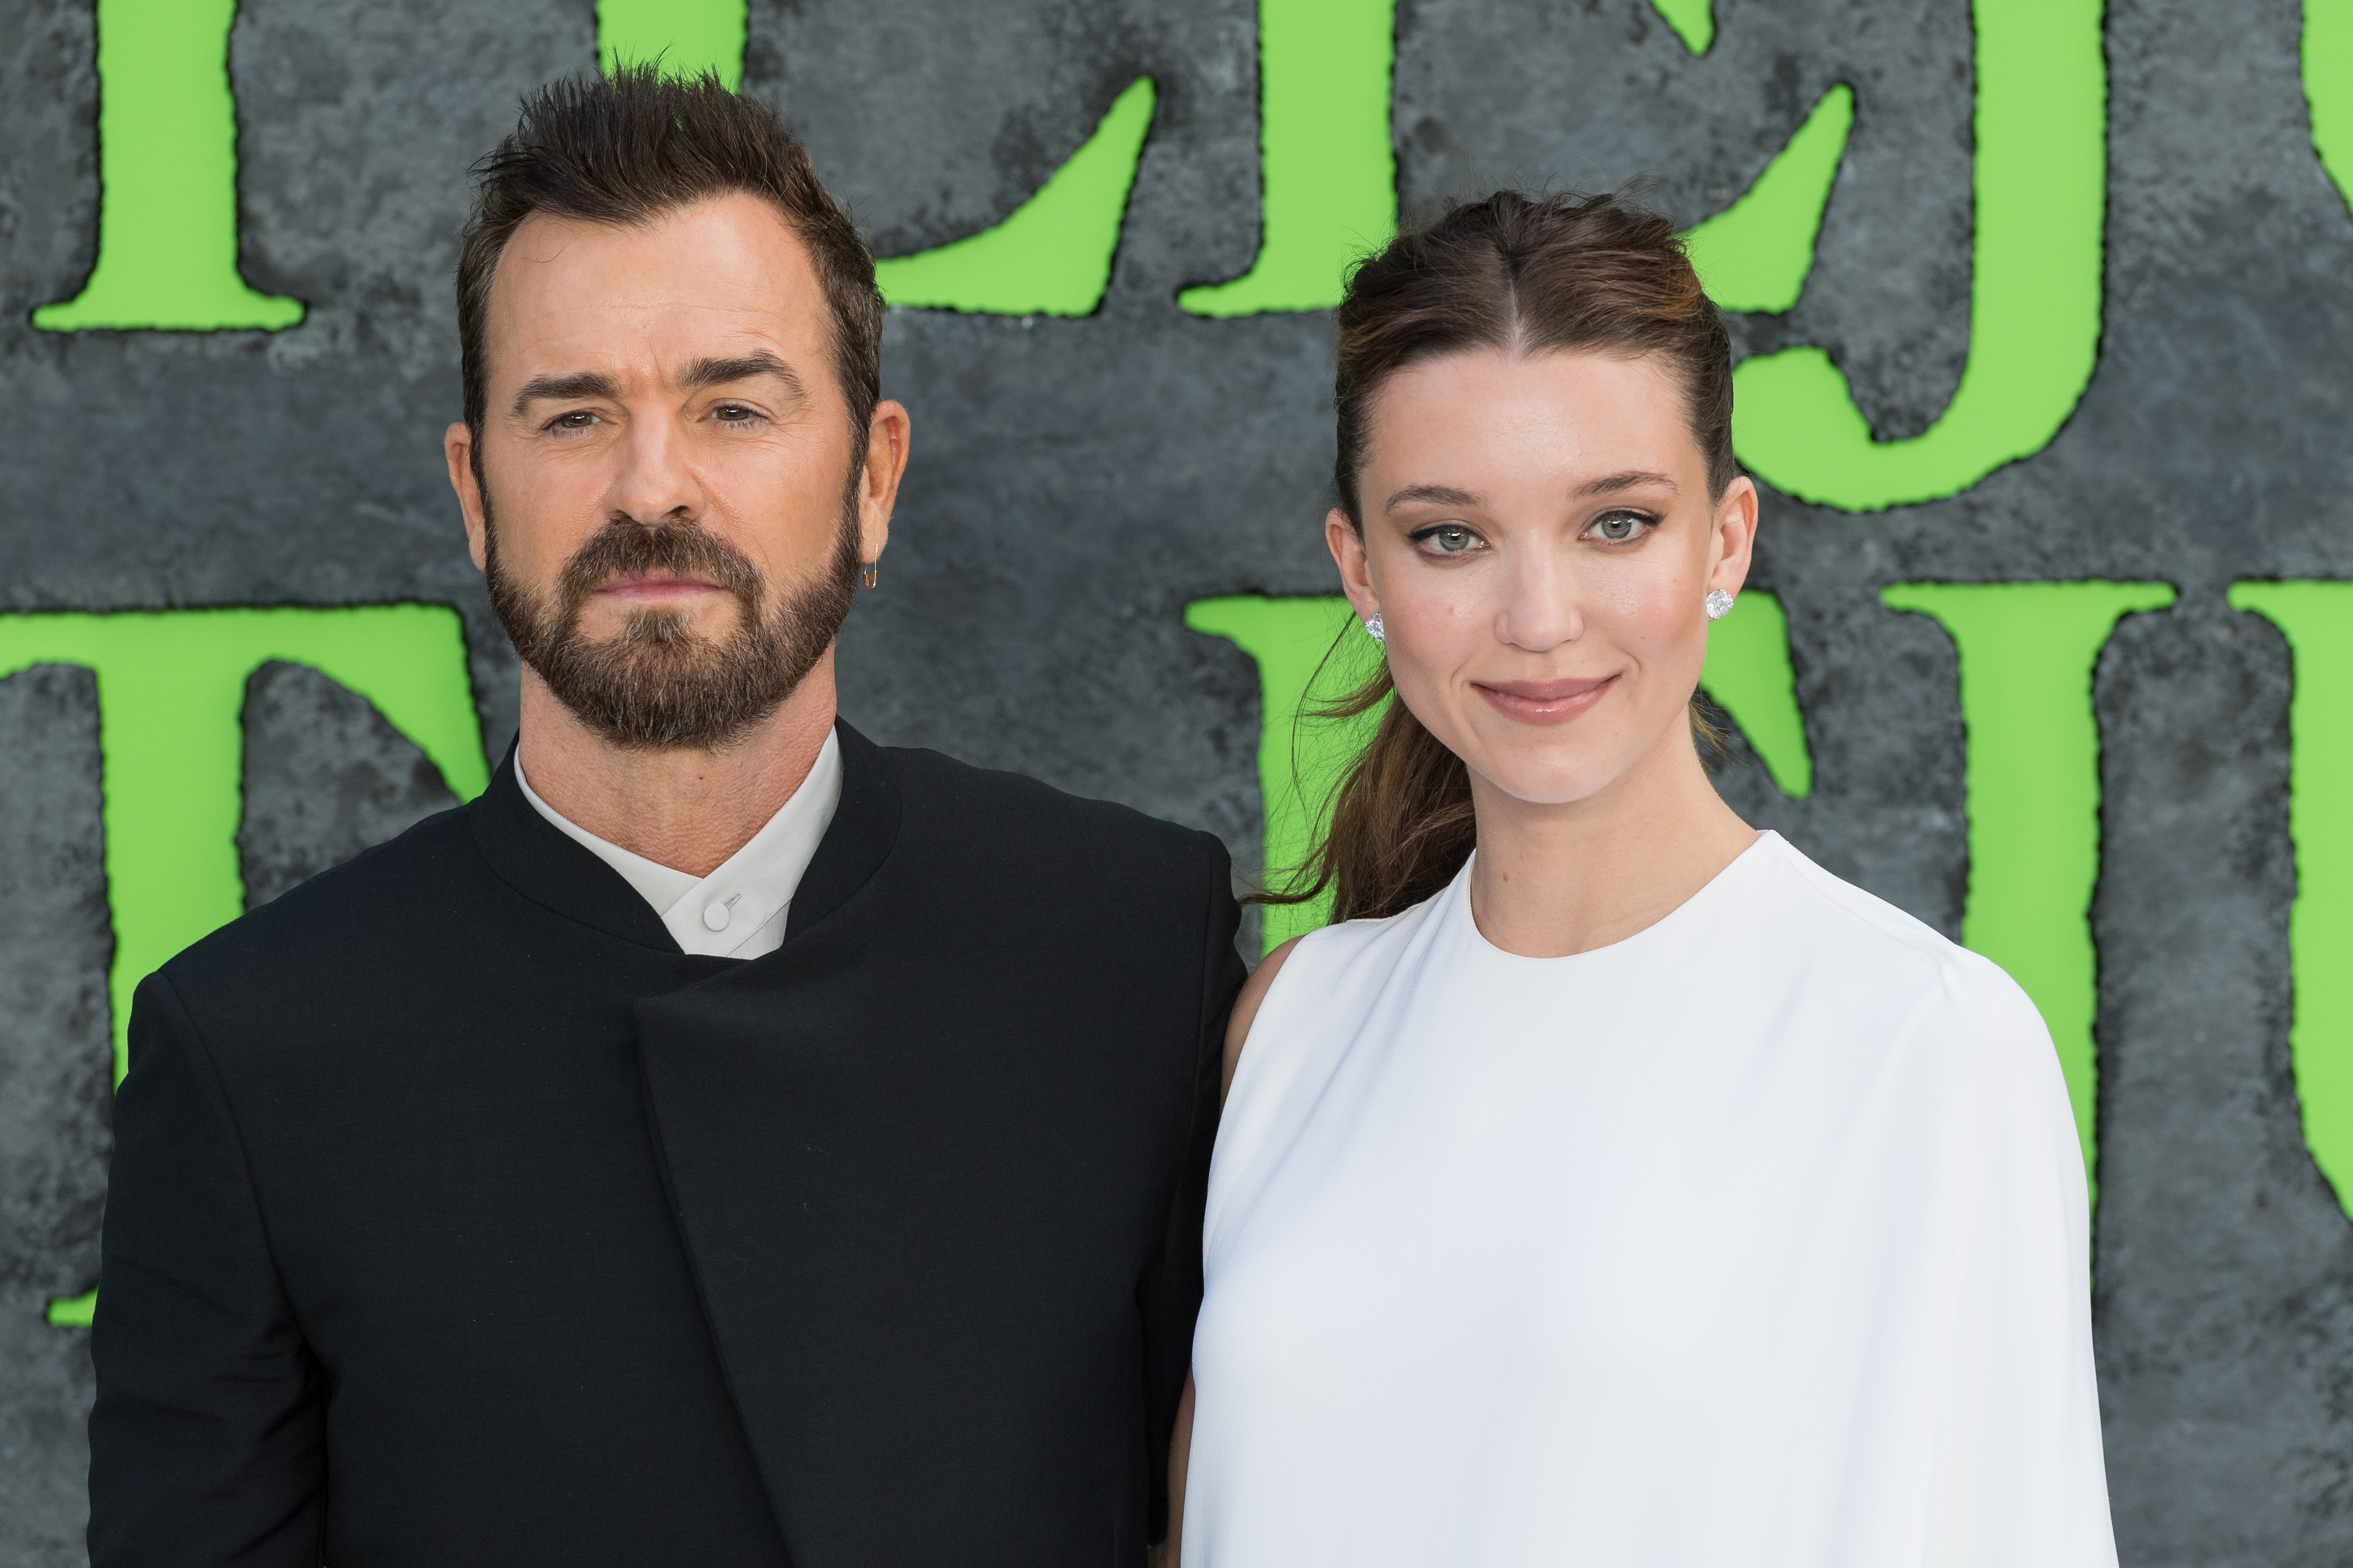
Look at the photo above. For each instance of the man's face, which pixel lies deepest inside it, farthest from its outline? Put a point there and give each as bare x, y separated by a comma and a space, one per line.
670, 512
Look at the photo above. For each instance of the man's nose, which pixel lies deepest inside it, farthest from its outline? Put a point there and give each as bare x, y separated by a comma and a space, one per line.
656, 480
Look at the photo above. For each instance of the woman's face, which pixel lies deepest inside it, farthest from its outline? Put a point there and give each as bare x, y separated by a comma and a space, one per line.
1539, 543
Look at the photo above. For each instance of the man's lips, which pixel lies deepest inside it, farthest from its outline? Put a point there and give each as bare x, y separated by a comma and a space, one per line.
1543, 701
656, 588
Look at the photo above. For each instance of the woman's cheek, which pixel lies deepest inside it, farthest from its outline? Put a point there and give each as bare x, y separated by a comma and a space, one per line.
1659, 618
1429, 643
1445, 611
1433, 637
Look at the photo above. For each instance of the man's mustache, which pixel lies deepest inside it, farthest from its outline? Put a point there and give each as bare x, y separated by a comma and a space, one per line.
625, 547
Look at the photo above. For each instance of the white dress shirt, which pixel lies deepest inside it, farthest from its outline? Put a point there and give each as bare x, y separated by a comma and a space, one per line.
738, 910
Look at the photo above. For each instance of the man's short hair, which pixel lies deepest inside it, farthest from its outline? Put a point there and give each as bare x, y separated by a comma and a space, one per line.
633, 147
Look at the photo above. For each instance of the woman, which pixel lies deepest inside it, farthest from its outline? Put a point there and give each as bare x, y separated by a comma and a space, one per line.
1612, 1184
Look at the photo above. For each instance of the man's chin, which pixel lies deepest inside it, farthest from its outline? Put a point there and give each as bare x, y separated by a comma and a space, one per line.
609, 631
676, 659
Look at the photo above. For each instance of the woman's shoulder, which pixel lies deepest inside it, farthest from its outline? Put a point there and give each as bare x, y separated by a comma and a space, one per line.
1945, 990
1317, 964
1830, 906
1246, 1006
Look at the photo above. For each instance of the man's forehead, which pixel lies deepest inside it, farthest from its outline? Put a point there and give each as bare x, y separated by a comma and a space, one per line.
729, 218
724, 276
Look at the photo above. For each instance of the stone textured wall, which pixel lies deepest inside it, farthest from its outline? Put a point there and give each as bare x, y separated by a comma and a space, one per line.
1076, 482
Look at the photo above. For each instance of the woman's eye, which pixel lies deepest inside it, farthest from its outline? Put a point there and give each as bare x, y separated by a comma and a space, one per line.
1618, 527
1450, 539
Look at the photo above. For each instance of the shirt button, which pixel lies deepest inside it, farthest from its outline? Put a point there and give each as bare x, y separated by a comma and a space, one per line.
714, 917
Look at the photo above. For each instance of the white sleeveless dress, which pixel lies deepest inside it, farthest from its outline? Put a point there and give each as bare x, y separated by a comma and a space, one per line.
1758, 1238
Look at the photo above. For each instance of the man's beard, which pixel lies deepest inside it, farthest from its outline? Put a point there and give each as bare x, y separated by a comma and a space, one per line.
656, 685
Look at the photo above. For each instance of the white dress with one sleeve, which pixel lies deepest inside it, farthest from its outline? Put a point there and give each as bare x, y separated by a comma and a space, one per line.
1756, 1240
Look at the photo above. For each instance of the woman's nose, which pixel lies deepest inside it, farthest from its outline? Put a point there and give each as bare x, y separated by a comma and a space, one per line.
1540, 609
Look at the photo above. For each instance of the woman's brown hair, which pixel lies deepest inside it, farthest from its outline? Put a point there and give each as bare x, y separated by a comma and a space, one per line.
1523, 275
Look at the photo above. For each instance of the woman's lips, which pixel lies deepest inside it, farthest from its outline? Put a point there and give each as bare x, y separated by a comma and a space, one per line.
1543, 701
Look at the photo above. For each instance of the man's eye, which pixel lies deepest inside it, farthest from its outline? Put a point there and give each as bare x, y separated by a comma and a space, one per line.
1619, 527
578, 419
732, 414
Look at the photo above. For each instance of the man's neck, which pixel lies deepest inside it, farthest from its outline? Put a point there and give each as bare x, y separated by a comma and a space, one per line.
688, 809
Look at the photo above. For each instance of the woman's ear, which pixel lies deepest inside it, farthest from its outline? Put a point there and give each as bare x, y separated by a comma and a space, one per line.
1348, 553
1735, 536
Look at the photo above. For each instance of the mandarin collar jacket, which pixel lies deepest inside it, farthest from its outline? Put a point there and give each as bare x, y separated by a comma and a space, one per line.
457, 1217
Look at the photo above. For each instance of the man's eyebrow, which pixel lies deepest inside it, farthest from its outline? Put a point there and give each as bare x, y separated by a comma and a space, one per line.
578, 385
707, 372
742, 367
1437, 495
1632, 479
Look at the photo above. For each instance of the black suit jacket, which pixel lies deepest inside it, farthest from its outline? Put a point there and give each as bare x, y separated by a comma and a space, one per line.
457, 1217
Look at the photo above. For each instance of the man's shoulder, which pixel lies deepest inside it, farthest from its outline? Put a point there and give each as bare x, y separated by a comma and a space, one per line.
1010, 819
1056, 888
420, 876
1016, 802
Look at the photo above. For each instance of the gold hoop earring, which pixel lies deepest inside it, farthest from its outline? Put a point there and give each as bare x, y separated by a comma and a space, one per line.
870, 572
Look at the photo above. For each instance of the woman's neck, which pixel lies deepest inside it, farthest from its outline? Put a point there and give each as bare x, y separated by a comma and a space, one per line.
1552, 880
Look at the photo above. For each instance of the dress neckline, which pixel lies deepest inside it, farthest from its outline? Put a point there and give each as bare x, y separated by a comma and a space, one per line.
1457, 907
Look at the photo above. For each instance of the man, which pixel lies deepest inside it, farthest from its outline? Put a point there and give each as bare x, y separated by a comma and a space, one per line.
726, 1140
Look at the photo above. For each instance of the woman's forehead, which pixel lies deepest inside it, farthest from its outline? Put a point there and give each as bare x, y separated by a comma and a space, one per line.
1560, 411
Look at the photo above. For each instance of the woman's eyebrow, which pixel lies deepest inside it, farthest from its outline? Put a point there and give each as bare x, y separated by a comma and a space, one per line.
1632, 479
1437, 495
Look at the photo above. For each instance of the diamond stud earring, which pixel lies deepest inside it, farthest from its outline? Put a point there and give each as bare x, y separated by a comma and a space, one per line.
1373, 629
1719, 604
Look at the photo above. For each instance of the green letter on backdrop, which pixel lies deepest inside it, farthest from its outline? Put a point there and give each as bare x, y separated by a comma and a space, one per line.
167, 178
1692, 20
2034, 290
1748, 674
688, 36
2317, 620
2328, 86
1327, 170
2026, 652
1052, 256
171, 691
1754, 254
1301, 758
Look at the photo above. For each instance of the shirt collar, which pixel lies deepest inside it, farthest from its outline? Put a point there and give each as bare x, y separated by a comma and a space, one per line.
739, 910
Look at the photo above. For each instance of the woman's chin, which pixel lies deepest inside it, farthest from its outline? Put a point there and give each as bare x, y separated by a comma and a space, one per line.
1550, 781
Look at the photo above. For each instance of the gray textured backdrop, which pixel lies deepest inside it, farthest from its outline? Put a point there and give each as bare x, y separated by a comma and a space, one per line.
1076, 482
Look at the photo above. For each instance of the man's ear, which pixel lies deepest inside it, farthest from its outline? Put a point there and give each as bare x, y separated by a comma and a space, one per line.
1347, 547
457, 447
889, 432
